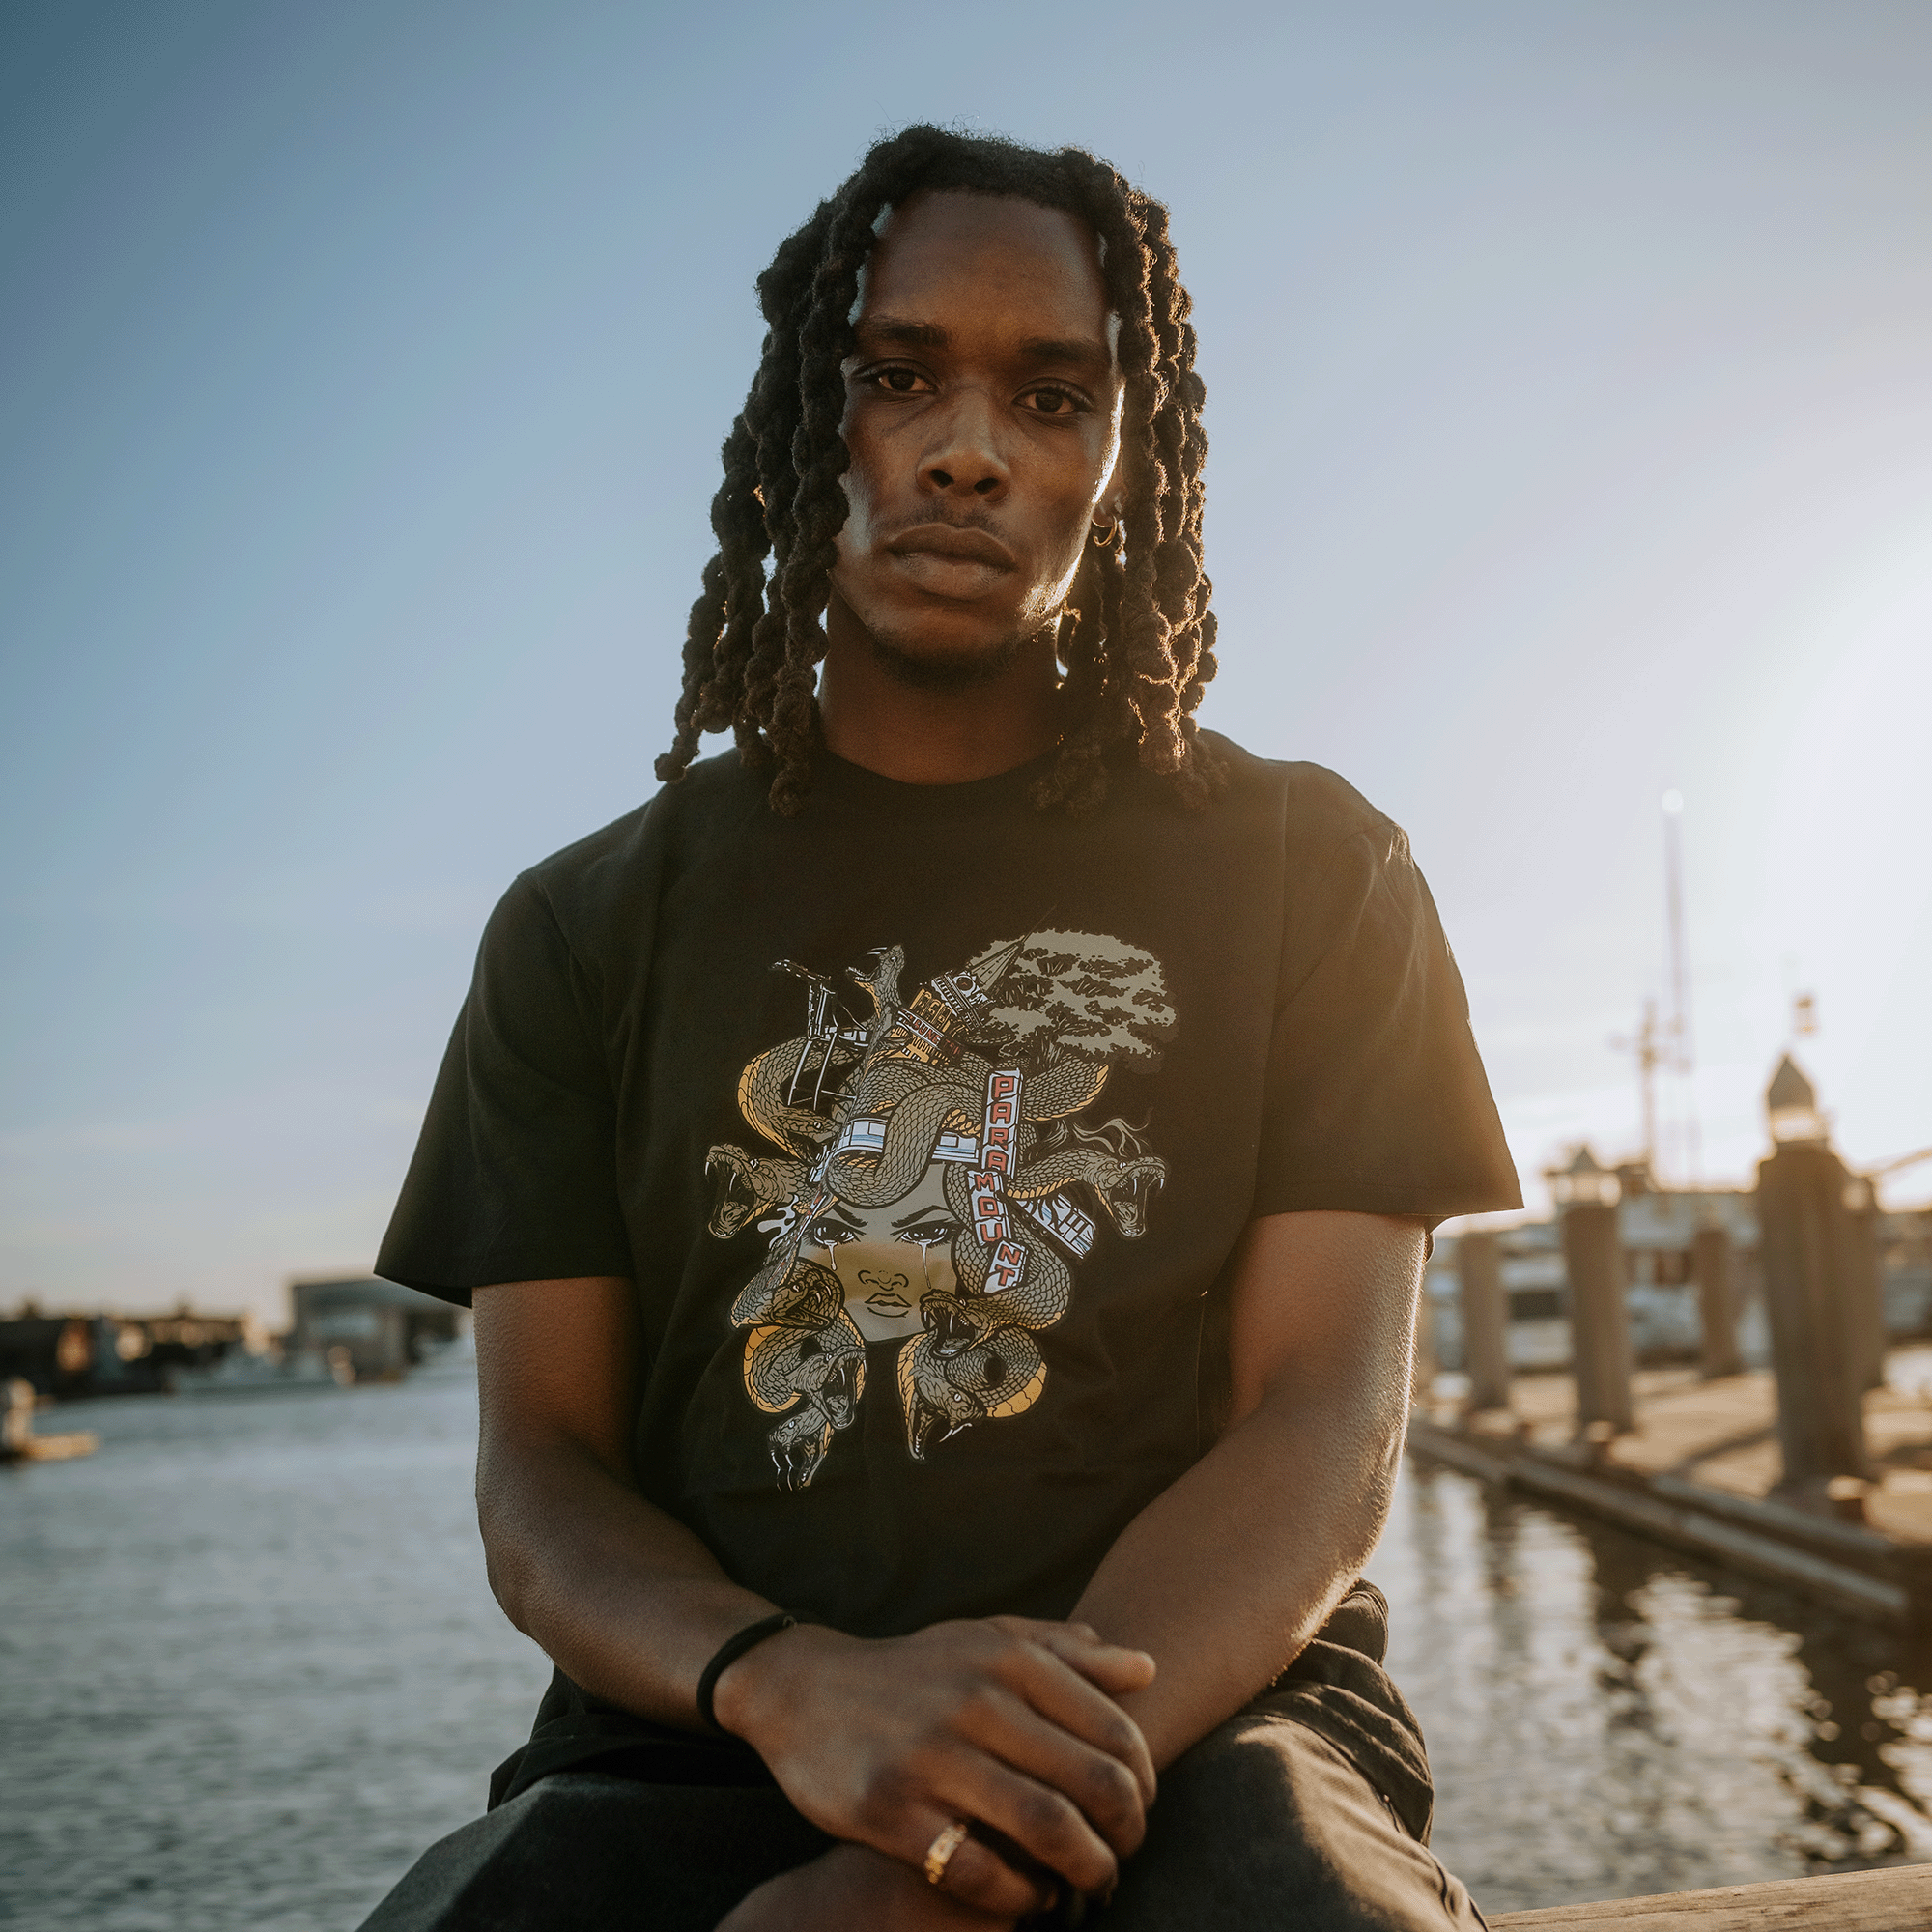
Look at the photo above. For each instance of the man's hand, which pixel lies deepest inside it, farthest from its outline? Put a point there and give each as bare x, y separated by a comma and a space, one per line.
854, 1888
1003, 1721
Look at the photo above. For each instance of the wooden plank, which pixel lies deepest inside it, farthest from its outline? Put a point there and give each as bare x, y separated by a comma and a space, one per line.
1636, 1506
1858, 1543
1459, 1451
1895, 1899
1706, 1535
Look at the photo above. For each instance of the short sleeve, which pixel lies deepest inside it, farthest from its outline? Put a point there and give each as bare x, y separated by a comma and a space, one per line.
514, 1176
1375, 1099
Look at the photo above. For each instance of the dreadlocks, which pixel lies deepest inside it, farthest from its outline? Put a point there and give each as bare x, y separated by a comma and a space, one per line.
1137, 638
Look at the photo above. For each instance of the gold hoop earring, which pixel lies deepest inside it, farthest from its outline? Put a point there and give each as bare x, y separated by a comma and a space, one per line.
1104, 535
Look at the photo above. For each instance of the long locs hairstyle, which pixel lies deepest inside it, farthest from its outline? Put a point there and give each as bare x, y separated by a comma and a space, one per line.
1137, 638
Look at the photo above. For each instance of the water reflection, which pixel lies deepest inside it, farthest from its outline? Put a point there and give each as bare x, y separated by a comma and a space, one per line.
1607, 1718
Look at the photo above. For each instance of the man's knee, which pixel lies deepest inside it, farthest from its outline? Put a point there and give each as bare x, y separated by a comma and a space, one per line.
581, 1852
1266, 1824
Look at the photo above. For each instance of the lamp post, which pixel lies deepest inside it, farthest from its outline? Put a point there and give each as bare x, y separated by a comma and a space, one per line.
1587, 1196
1819, 1342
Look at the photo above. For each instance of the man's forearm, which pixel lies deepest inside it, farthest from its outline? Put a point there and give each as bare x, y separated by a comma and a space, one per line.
1225, 1575
620, 1594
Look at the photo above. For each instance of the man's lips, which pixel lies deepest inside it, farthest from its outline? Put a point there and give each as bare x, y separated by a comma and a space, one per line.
949, 541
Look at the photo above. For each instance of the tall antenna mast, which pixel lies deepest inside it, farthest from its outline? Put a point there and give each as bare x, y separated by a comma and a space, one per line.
1681, 1060
1647, 1050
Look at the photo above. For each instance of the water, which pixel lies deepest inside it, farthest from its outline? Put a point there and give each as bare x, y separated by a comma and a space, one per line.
249, 1667
1607, 1718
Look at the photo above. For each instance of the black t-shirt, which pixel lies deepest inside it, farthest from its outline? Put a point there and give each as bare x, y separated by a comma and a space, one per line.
925, 1122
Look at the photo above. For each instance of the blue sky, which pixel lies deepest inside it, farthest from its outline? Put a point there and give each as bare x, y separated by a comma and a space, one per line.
362, 371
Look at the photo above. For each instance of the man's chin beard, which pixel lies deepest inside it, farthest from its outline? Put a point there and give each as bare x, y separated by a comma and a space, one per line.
948, 671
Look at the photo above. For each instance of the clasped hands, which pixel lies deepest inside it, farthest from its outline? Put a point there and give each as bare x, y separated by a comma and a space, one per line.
1007, 1722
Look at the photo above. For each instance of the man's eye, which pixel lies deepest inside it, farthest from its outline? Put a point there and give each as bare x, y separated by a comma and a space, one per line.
899, 382
1054, 403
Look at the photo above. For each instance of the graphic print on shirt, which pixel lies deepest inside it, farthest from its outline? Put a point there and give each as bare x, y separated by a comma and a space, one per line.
940, 1175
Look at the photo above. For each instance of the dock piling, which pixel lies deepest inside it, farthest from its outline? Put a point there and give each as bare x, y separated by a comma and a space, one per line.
1717, 1303
1863, 1279
1818, 1343
1599, 1316
1479, 1270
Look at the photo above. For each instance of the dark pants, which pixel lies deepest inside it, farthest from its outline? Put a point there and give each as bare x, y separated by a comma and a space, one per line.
1308, 1809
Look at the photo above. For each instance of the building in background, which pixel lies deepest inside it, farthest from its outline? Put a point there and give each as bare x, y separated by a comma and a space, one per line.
381, 1328
341, 1330
75, 1354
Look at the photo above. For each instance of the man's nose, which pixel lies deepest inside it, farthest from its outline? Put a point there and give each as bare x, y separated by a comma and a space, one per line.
964, 458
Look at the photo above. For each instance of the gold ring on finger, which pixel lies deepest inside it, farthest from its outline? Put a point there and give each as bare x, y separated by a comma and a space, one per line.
939, 1853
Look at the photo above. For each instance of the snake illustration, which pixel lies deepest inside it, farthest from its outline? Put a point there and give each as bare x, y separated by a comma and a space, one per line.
748, 1186
1040, 1298
964, 1368
1122, 1187
806, 1351
858, 1110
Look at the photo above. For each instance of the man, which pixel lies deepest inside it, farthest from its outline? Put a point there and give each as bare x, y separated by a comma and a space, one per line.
943, 1188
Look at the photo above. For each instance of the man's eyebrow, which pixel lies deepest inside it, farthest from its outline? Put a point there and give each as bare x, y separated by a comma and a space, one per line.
899, 329
1084, 351
1067, 349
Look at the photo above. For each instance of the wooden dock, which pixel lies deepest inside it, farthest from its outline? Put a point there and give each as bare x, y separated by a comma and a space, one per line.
1895, 1899
1700, 1471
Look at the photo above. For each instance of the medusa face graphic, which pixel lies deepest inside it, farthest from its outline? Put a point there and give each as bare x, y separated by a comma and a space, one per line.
888, 1260
936, 1182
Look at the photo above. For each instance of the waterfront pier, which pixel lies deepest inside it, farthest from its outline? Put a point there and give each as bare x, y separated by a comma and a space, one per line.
1797, 1456
1700, 1470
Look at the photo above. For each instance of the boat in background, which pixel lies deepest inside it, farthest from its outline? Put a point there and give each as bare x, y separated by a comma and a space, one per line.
19, 1444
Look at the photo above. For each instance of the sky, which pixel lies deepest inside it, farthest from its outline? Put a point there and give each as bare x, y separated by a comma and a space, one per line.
362, 374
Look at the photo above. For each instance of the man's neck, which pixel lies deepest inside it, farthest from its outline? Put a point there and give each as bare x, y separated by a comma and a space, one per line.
922, 734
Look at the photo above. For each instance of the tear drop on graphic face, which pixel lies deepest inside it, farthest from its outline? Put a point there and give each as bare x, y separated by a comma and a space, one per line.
888, 1259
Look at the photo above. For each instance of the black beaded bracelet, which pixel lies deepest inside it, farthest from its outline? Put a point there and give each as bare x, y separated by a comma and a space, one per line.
729, 1653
